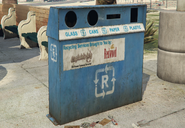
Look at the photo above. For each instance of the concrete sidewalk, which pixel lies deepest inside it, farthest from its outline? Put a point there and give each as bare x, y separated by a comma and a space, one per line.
24, 95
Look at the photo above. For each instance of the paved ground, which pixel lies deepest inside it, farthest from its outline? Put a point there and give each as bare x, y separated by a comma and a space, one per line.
24, 94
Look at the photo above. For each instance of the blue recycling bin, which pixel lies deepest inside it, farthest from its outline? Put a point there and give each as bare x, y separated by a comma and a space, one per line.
95, 56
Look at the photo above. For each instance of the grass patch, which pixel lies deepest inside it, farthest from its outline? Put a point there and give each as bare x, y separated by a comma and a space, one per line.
152, 46
153, 15
157, 20
148, 11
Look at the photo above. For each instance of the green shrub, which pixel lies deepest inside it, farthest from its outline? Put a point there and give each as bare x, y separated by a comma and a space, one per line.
149, 32
101, 2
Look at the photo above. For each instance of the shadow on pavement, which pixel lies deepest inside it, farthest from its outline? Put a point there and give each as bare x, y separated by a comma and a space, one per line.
10, 51
146, 78
1, 33
3, 72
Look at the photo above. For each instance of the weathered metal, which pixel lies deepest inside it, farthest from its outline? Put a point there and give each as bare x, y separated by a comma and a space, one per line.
95, 59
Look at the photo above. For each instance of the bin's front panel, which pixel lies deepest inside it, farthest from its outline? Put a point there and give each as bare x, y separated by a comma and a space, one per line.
91, 75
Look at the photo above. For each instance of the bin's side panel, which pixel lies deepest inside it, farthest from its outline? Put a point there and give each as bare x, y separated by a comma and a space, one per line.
95, 88
54, 80
53, 25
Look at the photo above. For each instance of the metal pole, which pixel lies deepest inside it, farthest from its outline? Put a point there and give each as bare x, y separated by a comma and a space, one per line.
150, 4
166, 4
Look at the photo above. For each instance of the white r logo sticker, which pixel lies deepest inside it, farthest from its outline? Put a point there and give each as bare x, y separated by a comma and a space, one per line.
105, 79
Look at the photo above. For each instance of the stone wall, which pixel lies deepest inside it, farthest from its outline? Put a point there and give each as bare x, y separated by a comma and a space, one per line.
9, 1
22, 10
4, 9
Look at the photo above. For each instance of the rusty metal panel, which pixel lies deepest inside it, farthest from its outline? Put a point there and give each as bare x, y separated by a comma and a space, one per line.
95, 59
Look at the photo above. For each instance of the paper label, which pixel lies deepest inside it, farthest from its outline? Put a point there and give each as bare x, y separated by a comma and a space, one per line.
93, 53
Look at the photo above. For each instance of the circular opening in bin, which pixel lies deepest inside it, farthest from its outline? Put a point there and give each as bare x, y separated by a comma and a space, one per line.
92, 17
70, 19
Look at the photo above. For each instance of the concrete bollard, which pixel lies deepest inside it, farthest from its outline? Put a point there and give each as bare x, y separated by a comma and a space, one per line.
171, 47
181, 5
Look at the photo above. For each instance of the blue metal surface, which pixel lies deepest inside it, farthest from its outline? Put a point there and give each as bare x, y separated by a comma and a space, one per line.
72, 93
51, 119
56, 19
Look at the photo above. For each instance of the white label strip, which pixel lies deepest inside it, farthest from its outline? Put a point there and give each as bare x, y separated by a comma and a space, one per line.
100, 31
93, 53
